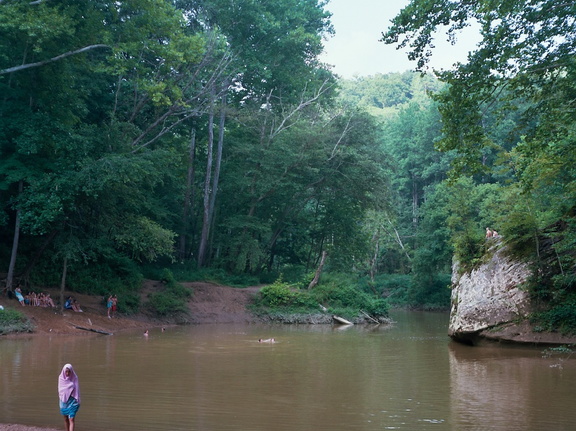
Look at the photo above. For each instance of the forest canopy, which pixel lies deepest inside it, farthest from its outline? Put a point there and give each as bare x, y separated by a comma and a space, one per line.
508, 116
203, 133
206, 135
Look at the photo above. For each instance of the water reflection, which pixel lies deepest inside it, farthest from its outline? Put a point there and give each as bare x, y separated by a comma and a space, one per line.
510, 389
218, 377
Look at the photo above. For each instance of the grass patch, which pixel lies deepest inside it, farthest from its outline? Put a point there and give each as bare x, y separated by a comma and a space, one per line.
172, 301
14, 321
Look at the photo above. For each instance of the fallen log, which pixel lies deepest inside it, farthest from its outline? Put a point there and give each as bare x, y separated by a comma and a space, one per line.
93, 330
369, 317
341, 320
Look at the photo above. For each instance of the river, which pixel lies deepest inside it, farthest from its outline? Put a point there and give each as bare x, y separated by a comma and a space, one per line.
408, 376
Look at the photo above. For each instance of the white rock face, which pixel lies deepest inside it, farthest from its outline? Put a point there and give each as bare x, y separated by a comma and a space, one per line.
488, 296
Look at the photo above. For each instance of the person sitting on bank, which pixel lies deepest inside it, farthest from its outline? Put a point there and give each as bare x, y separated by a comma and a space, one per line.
76, 306
72, 304
19, 295
49, 301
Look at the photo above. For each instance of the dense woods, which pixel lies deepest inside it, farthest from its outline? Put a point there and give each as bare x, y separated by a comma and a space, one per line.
205, 137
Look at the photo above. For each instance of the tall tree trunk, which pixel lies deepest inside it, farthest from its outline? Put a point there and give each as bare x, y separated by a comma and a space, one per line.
207, 182
415, 200
374, 259
188, 197
314, 282
63, 284
218, 156
15, 242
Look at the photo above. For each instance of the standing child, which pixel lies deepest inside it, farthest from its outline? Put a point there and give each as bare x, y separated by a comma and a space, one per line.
114, 305
109, 304
69, 395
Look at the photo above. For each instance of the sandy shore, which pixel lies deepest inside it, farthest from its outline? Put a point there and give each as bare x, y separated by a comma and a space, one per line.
16, 427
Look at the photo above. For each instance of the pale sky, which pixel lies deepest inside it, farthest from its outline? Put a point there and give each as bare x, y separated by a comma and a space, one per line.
355, 50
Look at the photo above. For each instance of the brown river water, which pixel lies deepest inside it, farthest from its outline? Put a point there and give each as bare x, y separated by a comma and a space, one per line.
408, 376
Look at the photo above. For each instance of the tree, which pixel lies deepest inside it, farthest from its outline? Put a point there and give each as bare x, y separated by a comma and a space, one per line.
72, 124
527, 52
524, 64
276, 43
304, 184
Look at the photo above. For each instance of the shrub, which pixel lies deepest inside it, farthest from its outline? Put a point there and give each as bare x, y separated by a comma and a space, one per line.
14, 321
469, 249
348, 297
172, 301
280, 294
282, 301
560, 317
166, 304
128, 303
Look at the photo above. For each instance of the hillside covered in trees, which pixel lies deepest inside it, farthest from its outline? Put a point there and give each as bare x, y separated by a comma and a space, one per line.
204, 139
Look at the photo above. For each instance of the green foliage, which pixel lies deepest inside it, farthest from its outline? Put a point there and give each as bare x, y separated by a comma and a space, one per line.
410, 291
109, 272
276, 42
166, 304
129, 303
283, 295
390, 286
560, 317
172, 300
432, 294
383, 95
99, 140
336, 295
471, 211
14, 321
560, 350
187, 273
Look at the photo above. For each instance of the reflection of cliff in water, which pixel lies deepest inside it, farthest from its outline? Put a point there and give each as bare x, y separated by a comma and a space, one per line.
510, 389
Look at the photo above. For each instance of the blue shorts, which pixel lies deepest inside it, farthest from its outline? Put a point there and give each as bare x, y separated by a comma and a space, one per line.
70, 407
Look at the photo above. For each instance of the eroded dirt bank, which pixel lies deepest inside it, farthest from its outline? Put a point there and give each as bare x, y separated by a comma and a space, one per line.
210, 303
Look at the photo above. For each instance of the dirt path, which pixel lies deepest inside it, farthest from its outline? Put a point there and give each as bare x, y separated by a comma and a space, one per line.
210, 303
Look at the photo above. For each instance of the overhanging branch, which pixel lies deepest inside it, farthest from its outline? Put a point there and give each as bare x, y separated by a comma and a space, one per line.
51, 60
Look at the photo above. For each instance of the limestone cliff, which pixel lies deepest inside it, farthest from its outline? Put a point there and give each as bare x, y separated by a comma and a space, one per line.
489, 303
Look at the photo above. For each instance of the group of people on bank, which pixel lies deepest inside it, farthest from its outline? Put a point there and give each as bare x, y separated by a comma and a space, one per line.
42, 299
34, 299
45, 300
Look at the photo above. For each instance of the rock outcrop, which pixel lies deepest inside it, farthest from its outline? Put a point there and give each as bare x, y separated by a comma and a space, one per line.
489, 303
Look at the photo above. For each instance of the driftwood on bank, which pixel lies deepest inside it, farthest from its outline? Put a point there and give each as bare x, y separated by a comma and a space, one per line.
341, 320
98, 331
369, 317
